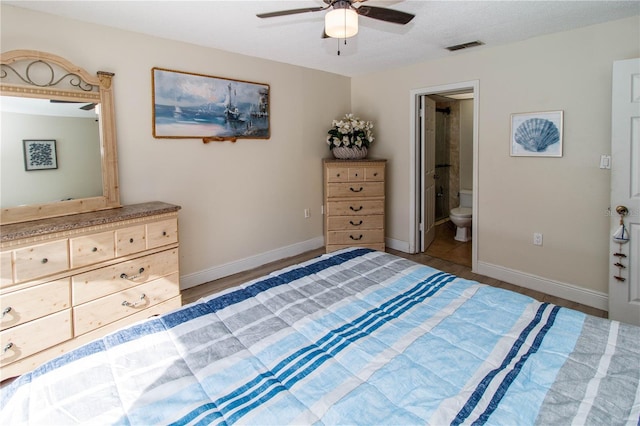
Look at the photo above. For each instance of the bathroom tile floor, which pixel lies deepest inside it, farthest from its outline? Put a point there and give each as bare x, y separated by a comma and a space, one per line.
446, 248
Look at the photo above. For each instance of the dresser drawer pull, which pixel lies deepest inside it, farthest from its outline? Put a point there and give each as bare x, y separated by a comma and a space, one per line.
356, 190
45, 260
164, 233
134, 304
355, 209
6, 311
132, 277
95, 249
7, 347
355, 224
354, 238
131, 240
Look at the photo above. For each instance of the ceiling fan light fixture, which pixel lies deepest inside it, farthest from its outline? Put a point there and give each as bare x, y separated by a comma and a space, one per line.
341, 23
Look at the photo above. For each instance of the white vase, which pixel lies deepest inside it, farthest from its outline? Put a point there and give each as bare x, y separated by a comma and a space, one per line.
349, 152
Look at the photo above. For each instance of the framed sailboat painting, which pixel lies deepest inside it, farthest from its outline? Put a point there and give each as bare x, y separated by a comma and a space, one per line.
188, 105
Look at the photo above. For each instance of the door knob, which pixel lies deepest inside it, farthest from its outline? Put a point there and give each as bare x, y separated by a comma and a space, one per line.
622, 210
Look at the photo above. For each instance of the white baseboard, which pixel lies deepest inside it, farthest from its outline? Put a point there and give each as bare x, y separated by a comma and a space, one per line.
220, 271
570, 292
402, 246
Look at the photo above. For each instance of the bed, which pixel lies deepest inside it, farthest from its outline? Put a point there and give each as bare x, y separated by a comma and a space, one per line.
352, 337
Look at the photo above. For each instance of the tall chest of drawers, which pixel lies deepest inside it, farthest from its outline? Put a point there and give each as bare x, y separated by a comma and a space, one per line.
354, 199
68, 280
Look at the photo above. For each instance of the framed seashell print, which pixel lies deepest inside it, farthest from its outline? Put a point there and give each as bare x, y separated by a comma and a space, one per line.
536, 134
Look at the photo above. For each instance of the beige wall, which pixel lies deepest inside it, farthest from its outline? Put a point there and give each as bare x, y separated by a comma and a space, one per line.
563, 198
239, 200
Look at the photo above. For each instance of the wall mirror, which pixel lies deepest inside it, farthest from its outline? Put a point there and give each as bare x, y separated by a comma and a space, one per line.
57, 144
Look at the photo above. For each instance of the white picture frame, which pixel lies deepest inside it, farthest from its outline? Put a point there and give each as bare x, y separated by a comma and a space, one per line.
536, 134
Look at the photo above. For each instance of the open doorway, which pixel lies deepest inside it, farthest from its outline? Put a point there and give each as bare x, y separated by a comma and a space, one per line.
444, 172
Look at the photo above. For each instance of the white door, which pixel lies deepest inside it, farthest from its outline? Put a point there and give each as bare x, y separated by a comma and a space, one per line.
428, 141
624, 269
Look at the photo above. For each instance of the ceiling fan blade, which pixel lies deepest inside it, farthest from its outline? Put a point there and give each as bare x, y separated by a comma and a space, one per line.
289, 12
86, 107
384, 14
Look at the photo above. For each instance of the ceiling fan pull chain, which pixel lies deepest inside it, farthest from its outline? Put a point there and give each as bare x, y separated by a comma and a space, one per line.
345, 43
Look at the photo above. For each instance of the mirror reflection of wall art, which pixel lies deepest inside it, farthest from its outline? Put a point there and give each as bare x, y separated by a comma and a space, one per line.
189, 105
536, 134
40, 154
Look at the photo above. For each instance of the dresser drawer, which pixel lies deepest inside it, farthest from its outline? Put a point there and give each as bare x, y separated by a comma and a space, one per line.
41, 260
357, 189
162, 233
362, 236
130, 240
356, 174
97, 313
337, 174
355, 207
34, 302
91, 249
374, 174
353, 223
334, 247
104, 281
6, 269
32, 337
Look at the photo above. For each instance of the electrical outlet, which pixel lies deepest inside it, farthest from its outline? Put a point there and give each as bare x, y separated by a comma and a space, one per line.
307, 213
537, 239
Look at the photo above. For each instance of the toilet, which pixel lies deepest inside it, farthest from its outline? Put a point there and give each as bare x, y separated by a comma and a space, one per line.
461, 216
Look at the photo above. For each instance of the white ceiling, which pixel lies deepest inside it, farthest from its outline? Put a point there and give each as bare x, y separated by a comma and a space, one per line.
296, 39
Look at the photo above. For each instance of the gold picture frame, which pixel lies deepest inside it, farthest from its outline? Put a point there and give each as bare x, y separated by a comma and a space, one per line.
189, 105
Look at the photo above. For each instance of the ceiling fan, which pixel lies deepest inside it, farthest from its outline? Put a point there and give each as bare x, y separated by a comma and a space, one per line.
87, 107
342, 21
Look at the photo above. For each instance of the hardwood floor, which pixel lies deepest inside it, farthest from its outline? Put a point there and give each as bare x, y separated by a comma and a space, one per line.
461, 270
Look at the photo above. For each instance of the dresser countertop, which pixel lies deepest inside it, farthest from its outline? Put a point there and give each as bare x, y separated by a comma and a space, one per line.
16, 231
362, 160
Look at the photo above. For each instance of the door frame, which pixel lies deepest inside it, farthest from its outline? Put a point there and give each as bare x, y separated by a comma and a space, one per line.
415, 162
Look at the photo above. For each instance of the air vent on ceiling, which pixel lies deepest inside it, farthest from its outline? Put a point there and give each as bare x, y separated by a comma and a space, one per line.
465, 45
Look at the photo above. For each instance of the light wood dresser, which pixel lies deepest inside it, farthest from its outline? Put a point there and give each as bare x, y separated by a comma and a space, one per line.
354, 199
68, 280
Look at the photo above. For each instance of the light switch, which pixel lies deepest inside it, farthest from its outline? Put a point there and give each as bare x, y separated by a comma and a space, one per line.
605, 161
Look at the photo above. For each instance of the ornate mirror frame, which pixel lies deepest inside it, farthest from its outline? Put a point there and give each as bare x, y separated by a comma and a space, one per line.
66, 82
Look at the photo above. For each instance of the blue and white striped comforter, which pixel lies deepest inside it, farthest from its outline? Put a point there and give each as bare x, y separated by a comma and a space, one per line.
355, 337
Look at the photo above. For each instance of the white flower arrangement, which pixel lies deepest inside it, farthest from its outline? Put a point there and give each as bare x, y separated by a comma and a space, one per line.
350, 132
